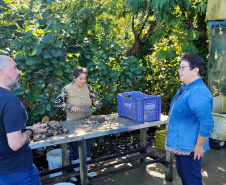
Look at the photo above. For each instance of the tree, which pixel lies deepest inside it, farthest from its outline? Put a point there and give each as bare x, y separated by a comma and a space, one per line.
130, 45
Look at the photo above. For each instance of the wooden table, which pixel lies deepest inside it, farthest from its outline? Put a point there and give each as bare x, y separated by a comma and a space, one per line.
80, 132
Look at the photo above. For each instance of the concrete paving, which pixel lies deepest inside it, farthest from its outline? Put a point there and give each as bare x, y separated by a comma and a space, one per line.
213, 172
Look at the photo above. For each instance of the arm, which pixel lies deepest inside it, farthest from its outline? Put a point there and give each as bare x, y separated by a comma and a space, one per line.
198, 150
93, 98
14, 119
60, 101
92, 95
17, 139
201, 106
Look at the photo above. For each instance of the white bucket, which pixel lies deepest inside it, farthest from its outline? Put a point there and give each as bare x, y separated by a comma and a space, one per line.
54, 158
64, 183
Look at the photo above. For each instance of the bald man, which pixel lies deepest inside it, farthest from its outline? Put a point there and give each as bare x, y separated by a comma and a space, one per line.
16, 164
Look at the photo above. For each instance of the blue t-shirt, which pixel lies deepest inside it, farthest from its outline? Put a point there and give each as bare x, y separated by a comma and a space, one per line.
13, 117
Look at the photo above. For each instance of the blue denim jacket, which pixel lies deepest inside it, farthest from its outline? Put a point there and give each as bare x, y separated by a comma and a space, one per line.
191, 115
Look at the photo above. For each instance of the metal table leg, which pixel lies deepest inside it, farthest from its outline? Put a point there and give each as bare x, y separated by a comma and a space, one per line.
65, 155
169, 169
143, 140
83, 162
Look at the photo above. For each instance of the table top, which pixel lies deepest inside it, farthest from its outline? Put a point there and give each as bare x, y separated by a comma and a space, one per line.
78, 130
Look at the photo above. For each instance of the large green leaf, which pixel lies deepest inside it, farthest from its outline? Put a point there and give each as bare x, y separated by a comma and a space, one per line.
50, 68
54, 25
29, 34
54, 61
102, 82
113, 88
29, 15
13, 27
59, 73
92, 80
128, 80
23, 67
101, 65
36, 51
48, 38
48, 107
46, 55
58, 43
18, 91
45, 96
112, 73
58, 52
36, 94
46, 14
30, 61
40, 71
19, 56
72, 62
87, 55
57, 26
67, 70
39, 80
27, 77
62, 63
16, 43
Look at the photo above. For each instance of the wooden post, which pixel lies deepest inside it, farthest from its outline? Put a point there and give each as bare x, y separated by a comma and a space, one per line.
143, 140
65, 155
83, 162
169, 169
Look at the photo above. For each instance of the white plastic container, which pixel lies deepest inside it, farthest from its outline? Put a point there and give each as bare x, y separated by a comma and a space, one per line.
219, 130
219, 104
54, 158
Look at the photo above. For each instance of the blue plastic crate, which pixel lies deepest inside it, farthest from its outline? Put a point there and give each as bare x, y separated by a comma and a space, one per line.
139, 107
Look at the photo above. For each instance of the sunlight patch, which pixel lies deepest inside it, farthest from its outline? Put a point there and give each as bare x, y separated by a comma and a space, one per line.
155, 173
221, 169
204, 174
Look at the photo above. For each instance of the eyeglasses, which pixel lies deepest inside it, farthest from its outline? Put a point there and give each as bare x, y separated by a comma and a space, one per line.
181, 68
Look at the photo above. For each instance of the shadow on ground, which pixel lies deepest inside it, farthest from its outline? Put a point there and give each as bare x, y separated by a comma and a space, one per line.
213, 172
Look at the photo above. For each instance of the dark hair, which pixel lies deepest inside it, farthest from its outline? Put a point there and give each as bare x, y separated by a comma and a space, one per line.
194, 61
79, 70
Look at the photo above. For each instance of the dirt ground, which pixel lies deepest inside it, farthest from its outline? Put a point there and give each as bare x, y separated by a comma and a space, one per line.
213, 172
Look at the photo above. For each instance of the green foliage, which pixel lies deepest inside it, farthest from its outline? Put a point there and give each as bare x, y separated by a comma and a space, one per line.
180, 28
48, 41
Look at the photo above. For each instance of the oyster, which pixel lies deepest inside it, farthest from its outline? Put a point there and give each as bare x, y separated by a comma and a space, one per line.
55, 132
43, 136
98, 118
37, 138
65, 129
49, 133
60, 131
88, 121
53, 129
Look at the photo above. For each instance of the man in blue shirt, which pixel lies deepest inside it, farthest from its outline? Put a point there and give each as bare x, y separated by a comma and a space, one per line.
15, 154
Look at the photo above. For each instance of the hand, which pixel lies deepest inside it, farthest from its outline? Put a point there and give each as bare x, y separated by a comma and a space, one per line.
198, 151
75, 109
39, 128
98, 104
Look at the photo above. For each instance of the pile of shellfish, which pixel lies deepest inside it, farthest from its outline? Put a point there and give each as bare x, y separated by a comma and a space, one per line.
99, 120
53, 128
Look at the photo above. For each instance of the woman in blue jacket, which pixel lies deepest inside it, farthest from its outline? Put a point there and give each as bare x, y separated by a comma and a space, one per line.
190, 120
